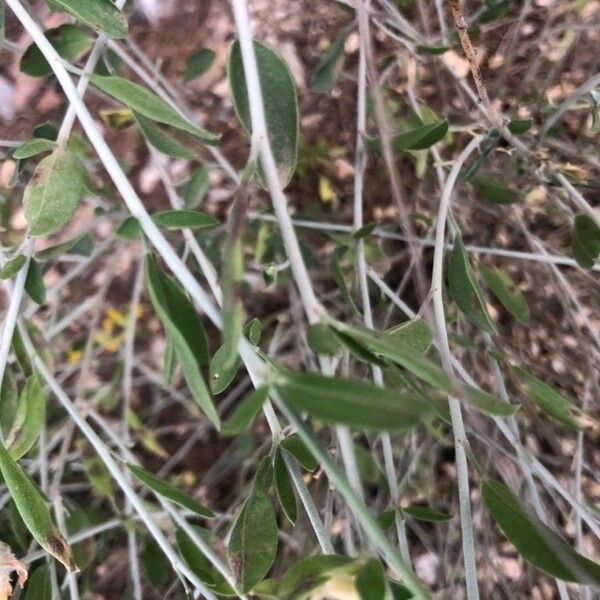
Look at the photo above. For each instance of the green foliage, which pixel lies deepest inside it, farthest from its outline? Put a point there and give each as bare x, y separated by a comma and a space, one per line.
102, 15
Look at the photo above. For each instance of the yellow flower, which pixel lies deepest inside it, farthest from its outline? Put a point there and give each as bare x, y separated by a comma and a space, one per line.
74, 356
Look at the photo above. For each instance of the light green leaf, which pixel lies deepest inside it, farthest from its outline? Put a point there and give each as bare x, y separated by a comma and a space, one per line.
197, 63
586, 241
322, 339
353, 402
9, 397
162, 141
466, 292
196, 187
184, 219
370, 581
414, 336
166, 490
221, 373
185, 330
253, 543
488, 403
13, 266
535, 541
424, 513
144, 102
102, 15
324, 76
58, 185
507, 292
280, 102
29, 418
70, 41
34, 283
495, 191
550, 401
246, 411
33, 147
283, 486
33, 510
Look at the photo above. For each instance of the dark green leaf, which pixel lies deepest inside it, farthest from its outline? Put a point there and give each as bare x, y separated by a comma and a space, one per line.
353, 402
280, 102
196, 187
197, 63
507, 292
34, 283
535, 541
283, 486
142, 101
82, 245
465, 290
435, 50
586, 241
253, 543
519, 126
494, 11
370, 581
166, 490
162, 141
495, 191
421, 138
51, 197
183, 326
39, 585
222, 373
424, 513
68, 40
488, 403
324, 76
99, 14
294, 445
246, 411
183, 219
322, 339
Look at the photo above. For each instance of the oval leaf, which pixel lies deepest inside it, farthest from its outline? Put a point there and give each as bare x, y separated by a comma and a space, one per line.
507, 292
33, 147
13, 266
162, 141
495, 191
102, 15
51, 197
183, 219
245, 413
280, 102
586, 241
424, 513
283, 486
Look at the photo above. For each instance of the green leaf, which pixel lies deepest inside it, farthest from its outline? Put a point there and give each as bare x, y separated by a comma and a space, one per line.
253, 543
535, 541
353, 402
156, 566
197, 63
586, 241
33, 147
129, 229
370, 581
196, 187
424, 513
166, 490
13, 266
102, 15
283, 486
338, 275
507, 292
29, 418
34, 283
488, 403
435, 50
520, 126
495, 191
549, 400
71, 43
185, 330
143, 102
222, 373
466, 292
325, 75
82, 245
233, 272
33, 510
421, 138
246, 411
162, 141
493, 11
183, 219
280, 102
322, 339
39, 585
294, 445
414, 336
54, 192
9, 397
310, 573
